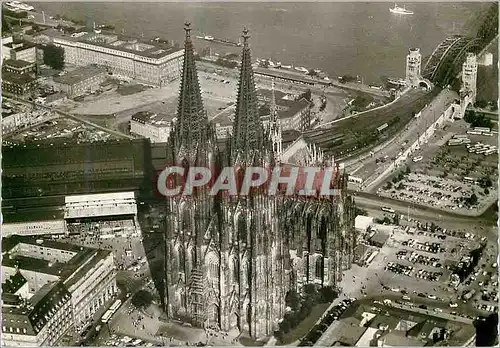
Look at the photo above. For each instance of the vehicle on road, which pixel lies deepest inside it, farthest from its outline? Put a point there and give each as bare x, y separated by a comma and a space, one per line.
417, 159
406, 298
388, 210
454, 305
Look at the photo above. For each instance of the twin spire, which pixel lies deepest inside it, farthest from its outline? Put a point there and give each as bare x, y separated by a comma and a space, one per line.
247, 127
192, 120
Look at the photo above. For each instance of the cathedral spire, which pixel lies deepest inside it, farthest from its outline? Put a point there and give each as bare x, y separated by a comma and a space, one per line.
247, 128
191, 117
275, 127
273, 113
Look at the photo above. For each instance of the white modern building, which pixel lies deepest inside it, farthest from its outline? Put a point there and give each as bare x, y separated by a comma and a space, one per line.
155, 127
31, 228
100, 205
145, 62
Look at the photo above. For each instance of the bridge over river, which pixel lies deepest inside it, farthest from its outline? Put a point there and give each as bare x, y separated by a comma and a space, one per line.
356, 134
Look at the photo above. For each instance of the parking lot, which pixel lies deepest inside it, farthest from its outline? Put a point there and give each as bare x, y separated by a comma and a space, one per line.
447, 177
415, 264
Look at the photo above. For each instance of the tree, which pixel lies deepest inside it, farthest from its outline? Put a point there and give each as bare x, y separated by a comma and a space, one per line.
328, 294
292, 300
53, 56
142, 299
481, 104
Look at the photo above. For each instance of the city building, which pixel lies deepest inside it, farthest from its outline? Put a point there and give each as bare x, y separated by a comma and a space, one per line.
19, 50
293, 114
41, 320
19, 67
153, 126
61, 277
20, 85
469, 76
100, 205
33, 228
232, 260
80, 81
146, 62
413, 66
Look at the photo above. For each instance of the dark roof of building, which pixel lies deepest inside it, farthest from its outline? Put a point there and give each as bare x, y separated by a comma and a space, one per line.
16, 78
80, 74
296, 107
349, 332
13, 283
30, 318
157, 119
380, 237
119, 42
17, 63
19, 46
10, 299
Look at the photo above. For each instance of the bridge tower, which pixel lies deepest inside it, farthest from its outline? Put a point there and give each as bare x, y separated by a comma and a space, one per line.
413, 66
469, 78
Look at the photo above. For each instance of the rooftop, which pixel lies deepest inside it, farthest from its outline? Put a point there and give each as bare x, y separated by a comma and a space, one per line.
81, 262
13, 283
19, 46
156, 119
16, 78
29, 319
17, 63
119, 42
79, 75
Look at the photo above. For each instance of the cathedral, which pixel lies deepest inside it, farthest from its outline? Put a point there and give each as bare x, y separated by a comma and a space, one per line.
230, 260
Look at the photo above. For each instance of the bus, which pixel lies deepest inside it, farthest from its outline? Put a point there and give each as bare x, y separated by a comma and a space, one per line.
482, 129
469, 180
105, 318
388, 210
115, 305
490, 152
355, 180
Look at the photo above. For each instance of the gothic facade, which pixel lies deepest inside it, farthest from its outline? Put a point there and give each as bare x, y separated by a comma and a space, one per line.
231, 260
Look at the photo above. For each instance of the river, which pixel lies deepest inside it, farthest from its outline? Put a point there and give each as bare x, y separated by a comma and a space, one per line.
339, 38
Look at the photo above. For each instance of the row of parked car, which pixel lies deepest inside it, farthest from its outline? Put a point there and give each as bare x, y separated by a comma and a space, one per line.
317, 331
419, 258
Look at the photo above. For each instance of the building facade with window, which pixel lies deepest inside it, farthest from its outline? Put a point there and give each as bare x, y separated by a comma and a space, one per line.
155, 127
80, 81
78, 281
145, 62
18, 84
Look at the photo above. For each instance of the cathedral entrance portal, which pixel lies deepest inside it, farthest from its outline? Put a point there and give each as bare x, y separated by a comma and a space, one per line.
213, 316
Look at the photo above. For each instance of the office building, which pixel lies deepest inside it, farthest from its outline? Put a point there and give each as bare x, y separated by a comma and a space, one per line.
145, 62
80, 81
